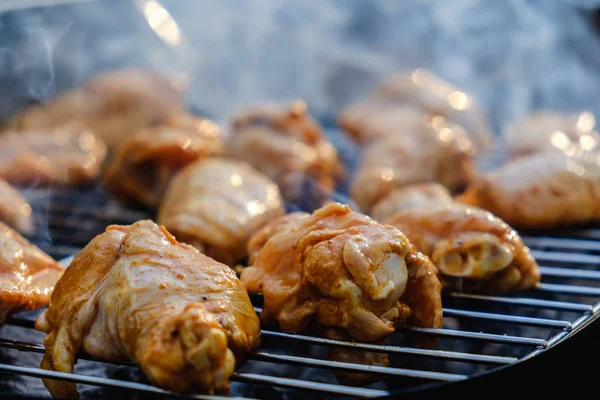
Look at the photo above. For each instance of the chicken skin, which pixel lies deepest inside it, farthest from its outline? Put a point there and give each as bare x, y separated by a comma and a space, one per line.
145, 163
472, 249
217, 204
135, 293
66, 156
424, 196
14, 209
27, 274
541, 191
341, 270
544, 131
287, 145
262, 236
405, 99
437, 154
114, 104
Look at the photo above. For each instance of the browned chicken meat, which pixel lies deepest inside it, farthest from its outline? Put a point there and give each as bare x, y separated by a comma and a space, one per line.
68, 155
425, 196
113, 103
287, 145
472, 249
405, 99
146, 162
342, 270
217, 204
27, 274
541, 191
14, 209
258, 240
135, 293
543, 131
437, 154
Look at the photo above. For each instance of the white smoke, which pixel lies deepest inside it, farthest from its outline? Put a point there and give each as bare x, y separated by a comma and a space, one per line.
513, 55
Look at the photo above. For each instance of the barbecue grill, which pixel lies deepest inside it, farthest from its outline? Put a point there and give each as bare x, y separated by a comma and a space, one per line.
483, 336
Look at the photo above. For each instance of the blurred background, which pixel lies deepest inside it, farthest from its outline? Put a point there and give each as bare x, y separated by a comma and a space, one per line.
513, 56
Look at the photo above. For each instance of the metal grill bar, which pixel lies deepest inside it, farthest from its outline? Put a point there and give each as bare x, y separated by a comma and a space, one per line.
522, 301
569, 289
562, 243
488, 337
450, 355
97, 381
513, 319
237, 376
308, 385
312, 362
571, 258
570, 273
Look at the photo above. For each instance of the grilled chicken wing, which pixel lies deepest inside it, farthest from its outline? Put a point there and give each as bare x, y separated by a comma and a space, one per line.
113, 103
135, 293
472, 249
288, 146
68, 155
541, 191
217, 204
146, 162
405, 98
437, 154
27, 274
14, 209
543, 131
341, 269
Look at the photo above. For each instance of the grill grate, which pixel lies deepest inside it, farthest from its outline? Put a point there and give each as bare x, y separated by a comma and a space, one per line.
480, 333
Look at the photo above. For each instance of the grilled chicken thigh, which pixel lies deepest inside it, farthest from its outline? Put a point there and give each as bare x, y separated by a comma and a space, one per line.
68, 155
438, 154
27, 274
544, 131
541, 191
472, 249
14, 209
424, 196
340, 269
145, 162
405, 98
135, 293
287, 145
217, 204
114, 104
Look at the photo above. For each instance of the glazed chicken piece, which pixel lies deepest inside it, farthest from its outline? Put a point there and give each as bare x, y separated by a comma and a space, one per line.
541, 191
113, 103
287, 145
27, 274
437, 154
68, 155
217, 204
405, 99
545, 131
424, 196
472, 249
146, 162
260, 238
14, 209
342, 270
135, 293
